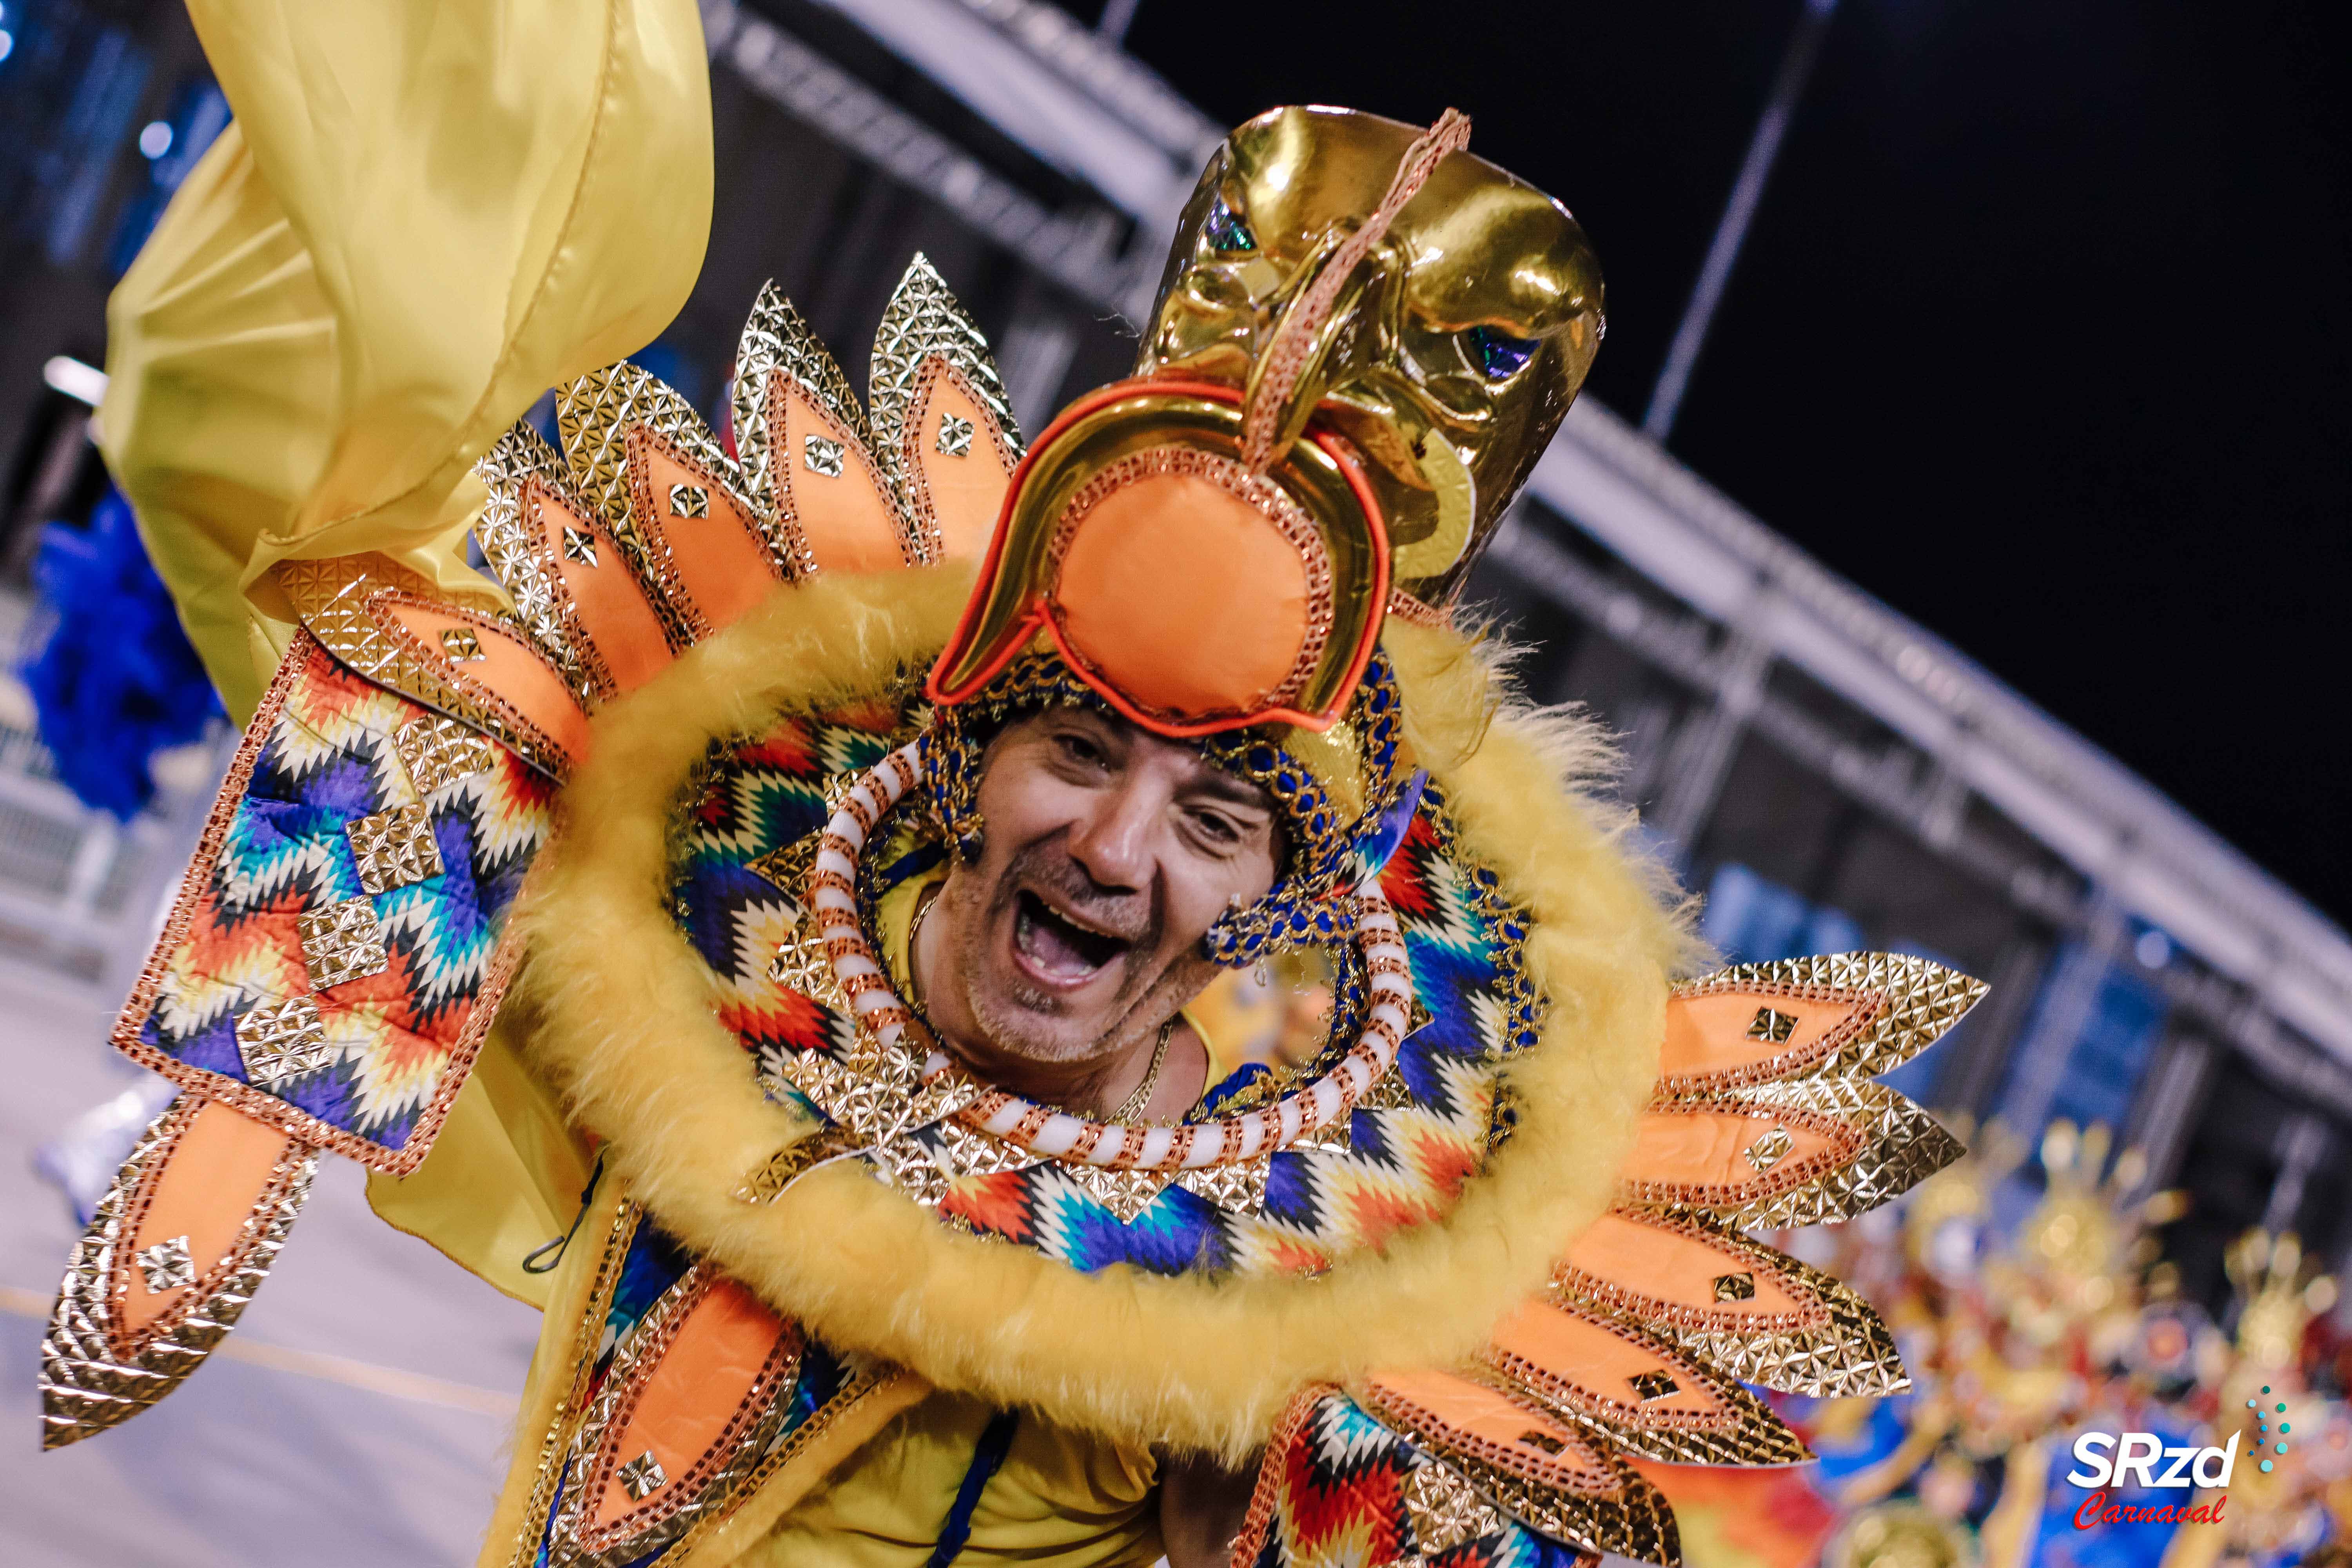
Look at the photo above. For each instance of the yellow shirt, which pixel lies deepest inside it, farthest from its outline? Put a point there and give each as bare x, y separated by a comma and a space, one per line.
1061, 1497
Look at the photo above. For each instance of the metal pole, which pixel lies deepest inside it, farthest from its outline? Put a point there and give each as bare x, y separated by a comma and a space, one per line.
1708, 742
1723, 255
2301, 1145
2066, 1011
1117, 16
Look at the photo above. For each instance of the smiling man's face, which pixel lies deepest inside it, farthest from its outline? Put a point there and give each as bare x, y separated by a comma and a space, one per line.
1108, 854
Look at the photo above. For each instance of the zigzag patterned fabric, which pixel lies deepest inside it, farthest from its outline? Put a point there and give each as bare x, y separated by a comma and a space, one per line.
1337, 1488
346, 773
760, 800
1405, 1161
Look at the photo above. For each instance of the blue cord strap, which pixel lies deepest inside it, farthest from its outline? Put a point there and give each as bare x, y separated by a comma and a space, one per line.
987, 1456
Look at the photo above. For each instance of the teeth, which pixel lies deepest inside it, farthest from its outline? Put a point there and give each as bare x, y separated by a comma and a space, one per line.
1054, 943
1073, 921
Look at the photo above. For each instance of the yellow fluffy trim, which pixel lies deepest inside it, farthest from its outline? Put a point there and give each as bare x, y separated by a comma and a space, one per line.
622, 1023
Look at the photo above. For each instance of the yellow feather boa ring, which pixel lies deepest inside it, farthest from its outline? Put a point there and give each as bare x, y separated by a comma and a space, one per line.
618, 1011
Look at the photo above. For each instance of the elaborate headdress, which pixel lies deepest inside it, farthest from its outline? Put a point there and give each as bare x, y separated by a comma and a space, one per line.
1364, 339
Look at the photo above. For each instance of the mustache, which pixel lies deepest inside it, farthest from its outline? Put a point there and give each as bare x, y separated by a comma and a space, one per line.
1131, 915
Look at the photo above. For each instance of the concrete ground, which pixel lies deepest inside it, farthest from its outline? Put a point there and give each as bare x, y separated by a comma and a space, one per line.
359, 1416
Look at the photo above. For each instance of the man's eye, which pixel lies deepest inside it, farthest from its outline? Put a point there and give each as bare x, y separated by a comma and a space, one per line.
1218, 829
1496, 355
1228, 235
1078, 749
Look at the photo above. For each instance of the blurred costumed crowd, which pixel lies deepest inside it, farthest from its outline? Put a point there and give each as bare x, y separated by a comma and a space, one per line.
2027, 1289
2025, 1338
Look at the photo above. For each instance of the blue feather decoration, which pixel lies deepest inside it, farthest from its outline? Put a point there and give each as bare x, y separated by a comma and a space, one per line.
113, 678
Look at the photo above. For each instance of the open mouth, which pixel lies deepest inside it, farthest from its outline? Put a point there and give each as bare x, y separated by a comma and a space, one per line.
1057, 949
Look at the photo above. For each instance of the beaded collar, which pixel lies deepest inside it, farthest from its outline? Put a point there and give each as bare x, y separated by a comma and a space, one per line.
1040, 1132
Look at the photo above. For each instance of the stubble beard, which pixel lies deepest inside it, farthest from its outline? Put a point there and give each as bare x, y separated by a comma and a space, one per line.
1021, 1021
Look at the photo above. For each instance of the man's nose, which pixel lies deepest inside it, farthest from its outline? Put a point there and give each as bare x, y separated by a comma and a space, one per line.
1113, 841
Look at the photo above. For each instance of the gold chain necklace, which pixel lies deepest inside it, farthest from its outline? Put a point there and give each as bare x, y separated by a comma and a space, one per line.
928, 897
1132, 1106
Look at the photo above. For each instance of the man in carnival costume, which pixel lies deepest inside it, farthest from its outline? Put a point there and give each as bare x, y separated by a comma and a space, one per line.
796, 928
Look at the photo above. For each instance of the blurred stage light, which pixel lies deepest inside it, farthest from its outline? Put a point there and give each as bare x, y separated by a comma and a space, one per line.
155, 140
75, 379
2154, 948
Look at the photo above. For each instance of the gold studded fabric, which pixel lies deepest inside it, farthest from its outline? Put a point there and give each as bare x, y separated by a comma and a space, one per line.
1828, 1343
787, 869
394, 848
1766, 1151
513, 546
437, 751
1902, 1005
1238, 1189
1800, 1055
1125, 1193
167, 1265
801, 965
1445, 1509
341, 943
823, 456
282, 1043
1881, 1010
601, 420
924, 321
1677, 1412
1649, 1386
642, 1476
526, 477
338, 600
1893, 1146
794, 1160
776, 341
1583, 1493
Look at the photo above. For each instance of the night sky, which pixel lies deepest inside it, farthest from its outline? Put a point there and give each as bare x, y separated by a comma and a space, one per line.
2041, 335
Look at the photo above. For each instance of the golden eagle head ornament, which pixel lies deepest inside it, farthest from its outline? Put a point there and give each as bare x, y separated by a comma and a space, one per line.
1363, 341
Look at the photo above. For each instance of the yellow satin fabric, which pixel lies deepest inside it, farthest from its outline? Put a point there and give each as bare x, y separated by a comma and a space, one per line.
423, 216
505, 1177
